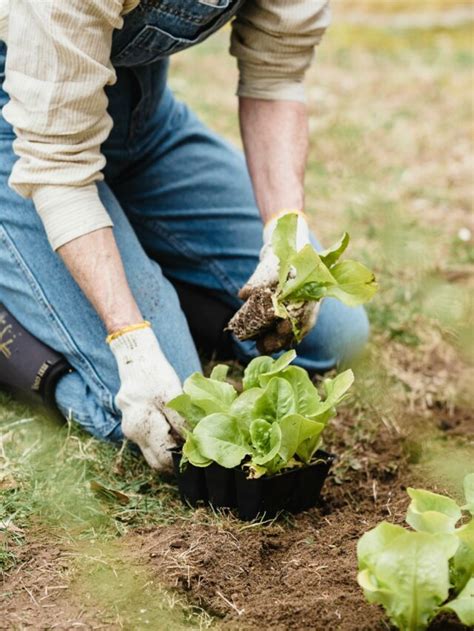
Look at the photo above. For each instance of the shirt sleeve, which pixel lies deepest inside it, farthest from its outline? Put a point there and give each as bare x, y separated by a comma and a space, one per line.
57, 66
274, 42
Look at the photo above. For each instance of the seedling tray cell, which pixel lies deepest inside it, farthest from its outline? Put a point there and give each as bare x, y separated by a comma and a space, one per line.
310, 483
266, 495
220, 484
191, 481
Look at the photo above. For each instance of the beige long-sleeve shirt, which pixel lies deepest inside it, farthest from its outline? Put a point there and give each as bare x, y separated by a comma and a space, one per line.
58, 64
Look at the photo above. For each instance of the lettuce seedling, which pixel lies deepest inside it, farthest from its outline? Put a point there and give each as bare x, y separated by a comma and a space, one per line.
407, 573
435, 513
463, 604
275, 423
415, 574
306, 275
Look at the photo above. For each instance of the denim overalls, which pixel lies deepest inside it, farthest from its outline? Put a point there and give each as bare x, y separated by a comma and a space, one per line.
183, 211
157, 29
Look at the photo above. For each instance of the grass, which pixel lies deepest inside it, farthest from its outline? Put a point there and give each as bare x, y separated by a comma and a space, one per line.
391, 162
62, 486
397, 6
71, 483
131, 598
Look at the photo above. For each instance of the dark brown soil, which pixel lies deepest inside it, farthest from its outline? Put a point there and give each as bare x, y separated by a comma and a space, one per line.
460, 426
298, 573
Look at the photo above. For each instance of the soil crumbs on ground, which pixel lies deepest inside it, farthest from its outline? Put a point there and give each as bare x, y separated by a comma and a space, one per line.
36, 594
299, 573
296, 572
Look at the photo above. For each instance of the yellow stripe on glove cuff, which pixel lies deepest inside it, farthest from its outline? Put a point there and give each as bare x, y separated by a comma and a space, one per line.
127, 329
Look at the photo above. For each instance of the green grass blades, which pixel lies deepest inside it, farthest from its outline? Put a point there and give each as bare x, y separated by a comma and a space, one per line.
307, 275
415, 574
276, 423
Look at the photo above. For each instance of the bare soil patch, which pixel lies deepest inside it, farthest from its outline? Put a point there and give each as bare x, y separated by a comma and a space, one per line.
88, 585
298, 573
37, 593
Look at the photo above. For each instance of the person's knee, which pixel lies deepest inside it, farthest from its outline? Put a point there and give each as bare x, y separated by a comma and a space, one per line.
340, 335
96, 415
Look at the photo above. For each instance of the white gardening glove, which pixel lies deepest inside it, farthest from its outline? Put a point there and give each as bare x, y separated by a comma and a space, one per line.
256, 318
147, 383
266, 272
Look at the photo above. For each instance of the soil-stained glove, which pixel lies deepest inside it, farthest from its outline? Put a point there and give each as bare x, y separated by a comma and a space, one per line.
256, 318
147, 383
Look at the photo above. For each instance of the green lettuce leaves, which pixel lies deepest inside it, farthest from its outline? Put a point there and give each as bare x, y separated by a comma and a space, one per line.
307, 275
219, 438
403, 563
415, 574
463, 604
430, 512
275, 423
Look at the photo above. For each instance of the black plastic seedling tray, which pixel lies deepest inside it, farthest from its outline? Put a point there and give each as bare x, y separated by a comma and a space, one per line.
294, 490
220, 484
191, 481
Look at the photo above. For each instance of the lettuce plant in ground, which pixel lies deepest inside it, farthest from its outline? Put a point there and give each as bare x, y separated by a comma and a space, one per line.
275, 423
415, 574
307, 275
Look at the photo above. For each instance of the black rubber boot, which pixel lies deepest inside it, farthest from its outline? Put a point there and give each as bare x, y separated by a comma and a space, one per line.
28, 368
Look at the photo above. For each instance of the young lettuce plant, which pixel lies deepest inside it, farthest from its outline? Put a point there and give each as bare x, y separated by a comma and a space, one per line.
276, 422
415, 574
307, 275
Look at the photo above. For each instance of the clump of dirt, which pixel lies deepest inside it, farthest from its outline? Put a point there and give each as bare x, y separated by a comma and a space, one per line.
459, 425
447, 622
255, 316
280, 336
256, 320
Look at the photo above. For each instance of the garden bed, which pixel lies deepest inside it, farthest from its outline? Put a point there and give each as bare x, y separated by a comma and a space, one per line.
300, 571
297, 571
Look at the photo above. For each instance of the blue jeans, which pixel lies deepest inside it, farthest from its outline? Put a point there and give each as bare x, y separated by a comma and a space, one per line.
183, 210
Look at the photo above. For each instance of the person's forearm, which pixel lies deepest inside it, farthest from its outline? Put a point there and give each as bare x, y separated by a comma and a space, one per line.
275, 137
95, 263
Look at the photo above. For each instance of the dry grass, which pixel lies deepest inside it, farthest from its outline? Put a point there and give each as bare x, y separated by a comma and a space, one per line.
415, 7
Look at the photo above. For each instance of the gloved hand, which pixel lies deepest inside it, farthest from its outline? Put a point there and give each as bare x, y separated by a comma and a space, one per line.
147, 383
256, 318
